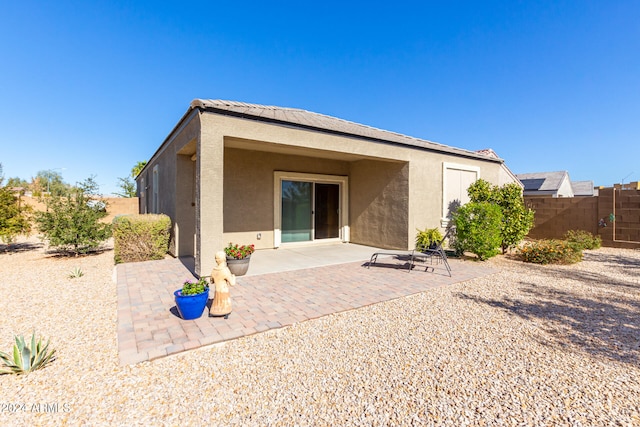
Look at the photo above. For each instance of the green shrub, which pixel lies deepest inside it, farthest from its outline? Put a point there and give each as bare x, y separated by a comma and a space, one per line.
72, 221
550, 251
478, 229
583, 239
140, 237
517, 219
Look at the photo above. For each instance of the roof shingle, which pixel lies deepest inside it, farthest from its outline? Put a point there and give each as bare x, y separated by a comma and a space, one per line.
324, 123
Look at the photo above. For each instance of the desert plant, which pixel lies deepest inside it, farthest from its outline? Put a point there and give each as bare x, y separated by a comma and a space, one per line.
583, 239
140, 237
550, 251
72, 222
193, 288
26, 358
478, 229
428, 237
75, 273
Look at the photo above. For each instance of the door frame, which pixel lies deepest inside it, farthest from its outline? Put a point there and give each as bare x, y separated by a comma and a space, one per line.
343, 184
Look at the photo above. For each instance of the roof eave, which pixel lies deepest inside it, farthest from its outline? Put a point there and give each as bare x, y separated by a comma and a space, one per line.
201, 105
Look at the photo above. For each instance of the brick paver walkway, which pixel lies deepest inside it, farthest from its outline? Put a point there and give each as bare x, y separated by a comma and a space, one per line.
149, 326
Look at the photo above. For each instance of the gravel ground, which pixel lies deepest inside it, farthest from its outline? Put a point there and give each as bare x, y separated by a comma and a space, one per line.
528, 346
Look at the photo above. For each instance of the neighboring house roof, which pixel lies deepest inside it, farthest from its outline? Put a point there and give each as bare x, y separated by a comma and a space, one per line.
320, 122
545, 183
511, 176
488, 152
583, 188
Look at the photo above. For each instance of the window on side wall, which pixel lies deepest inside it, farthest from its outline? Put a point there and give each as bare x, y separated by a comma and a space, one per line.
143, 192
154, 189
456, 180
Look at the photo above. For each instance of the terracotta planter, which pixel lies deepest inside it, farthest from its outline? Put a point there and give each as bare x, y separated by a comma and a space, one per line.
238, 267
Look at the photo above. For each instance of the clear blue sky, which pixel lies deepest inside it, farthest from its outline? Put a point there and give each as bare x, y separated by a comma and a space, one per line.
95, 86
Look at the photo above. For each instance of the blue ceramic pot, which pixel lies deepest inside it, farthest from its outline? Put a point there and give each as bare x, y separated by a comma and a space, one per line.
191, 306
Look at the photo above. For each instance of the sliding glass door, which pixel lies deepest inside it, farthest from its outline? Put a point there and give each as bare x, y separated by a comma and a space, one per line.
296, 211
310, 211
326, 211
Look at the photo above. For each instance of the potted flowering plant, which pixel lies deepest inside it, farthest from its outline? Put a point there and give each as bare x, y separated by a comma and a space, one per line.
192, 298
238, 257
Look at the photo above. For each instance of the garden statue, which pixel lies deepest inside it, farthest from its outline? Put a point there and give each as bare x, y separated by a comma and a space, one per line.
222, 279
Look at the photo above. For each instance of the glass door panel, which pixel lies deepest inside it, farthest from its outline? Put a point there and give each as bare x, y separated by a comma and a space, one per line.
327, 204
296, 211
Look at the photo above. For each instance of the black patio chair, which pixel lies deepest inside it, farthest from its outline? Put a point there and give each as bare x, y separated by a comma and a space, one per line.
421, 252
437, 251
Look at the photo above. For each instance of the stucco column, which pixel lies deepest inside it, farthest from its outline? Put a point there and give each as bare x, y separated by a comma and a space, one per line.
209, 195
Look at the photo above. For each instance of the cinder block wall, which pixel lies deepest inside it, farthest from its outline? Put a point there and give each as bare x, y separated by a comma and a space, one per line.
555, 216
627, 217
115, 205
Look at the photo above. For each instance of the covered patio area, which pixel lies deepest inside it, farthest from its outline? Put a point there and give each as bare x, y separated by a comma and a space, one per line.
283, 286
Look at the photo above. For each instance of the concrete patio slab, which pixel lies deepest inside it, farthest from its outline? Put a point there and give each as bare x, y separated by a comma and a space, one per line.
283, 287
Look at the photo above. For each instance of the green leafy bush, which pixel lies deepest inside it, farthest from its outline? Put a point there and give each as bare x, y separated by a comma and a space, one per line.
583, 239
72, 221
550, 251
478, 229
25, 358
517, 219
140, 237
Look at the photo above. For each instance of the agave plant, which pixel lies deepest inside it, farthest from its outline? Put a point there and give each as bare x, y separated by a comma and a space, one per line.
76, 272
26, 358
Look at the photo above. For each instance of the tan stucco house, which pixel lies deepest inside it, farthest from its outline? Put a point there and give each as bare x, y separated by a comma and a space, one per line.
277, 177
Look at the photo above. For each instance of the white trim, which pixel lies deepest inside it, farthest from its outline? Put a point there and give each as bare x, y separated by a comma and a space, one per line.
452, 166
342, 181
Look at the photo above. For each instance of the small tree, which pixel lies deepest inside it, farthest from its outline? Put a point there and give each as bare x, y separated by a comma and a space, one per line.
137, 168
478, 229
127, 186
72, 222
17, 182
517, 219
14, 219
51, 182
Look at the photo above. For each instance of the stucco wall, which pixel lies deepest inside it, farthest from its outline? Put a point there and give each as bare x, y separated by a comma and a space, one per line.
171, 185
225, 192
427, 184
379, 200
248, 190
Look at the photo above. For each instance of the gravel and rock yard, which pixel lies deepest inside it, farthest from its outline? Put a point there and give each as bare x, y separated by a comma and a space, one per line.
528, 346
